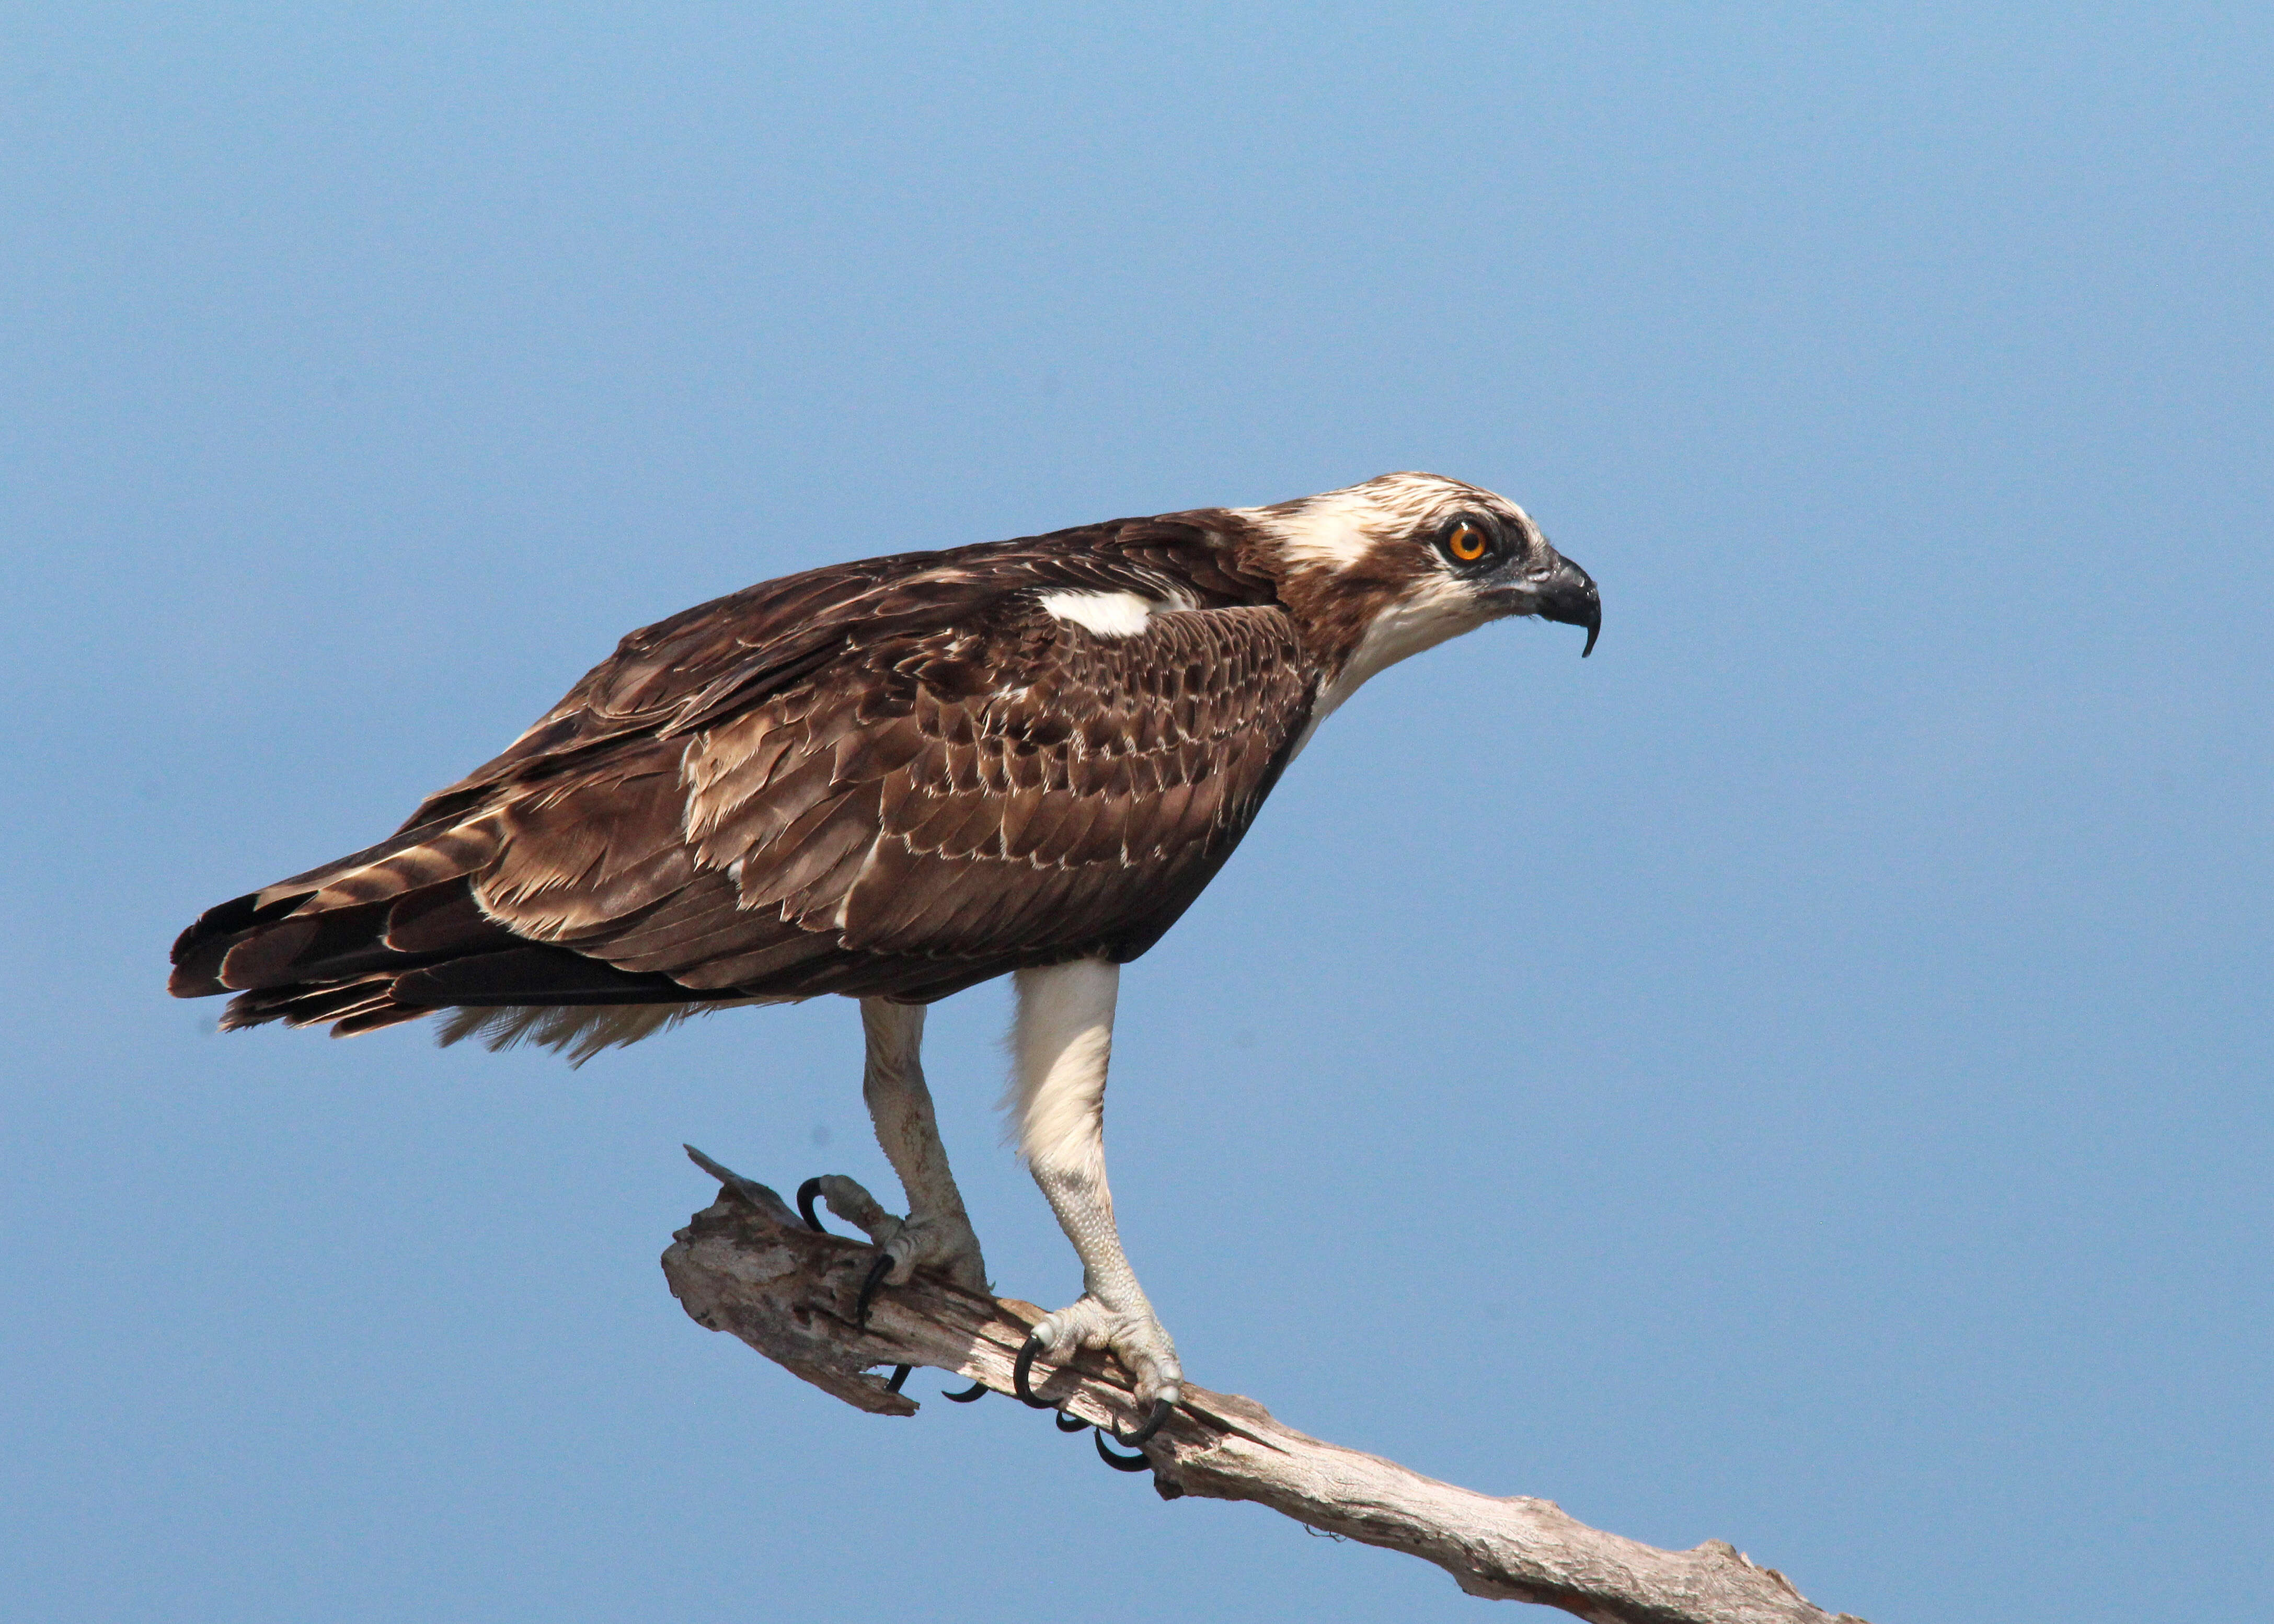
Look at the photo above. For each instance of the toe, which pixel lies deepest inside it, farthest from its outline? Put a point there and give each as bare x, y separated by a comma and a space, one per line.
896, 1259
849, 1201
1083, 1323
1022, 1373
942, 1242
1159, 1381
870, 1282
1141, 1343
940, 1245
1134, 1337
1120, 1463
1154, 1416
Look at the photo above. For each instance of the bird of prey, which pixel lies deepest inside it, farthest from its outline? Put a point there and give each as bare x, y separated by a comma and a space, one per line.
893, 779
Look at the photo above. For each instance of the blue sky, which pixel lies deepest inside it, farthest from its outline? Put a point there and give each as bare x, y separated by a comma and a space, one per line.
1799, 1078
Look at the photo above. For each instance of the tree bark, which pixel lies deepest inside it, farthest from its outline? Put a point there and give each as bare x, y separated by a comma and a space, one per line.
747, 1265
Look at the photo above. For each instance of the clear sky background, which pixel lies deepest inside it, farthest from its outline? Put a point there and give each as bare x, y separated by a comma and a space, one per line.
1800, 1077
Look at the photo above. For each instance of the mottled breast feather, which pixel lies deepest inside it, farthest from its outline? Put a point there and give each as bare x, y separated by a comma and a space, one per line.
895, 778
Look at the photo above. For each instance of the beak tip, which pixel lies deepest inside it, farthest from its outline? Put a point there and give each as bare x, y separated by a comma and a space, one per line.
1564, 593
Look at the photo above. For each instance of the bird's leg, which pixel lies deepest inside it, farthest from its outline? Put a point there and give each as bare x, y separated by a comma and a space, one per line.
936, 1233
1061, 1043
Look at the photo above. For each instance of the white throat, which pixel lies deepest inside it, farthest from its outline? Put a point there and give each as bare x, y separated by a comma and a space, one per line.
1397, 634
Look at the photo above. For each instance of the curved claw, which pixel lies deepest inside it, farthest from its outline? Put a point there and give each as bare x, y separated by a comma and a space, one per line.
1069, 1424
970, 1395
1144, 1434
878, 1270
808, 1193
1120, 1463
900, 1375
1021, 1368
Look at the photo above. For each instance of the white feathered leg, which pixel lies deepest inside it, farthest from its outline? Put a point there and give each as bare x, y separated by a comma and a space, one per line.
936, 1233
1061, 1043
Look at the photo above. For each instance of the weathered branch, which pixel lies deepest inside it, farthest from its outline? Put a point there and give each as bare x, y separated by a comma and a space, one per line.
747, 1265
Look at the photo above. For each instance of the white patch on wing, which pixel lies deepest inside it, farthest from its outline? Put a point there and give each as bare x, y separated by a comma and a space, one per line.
1108, 614
1439, 611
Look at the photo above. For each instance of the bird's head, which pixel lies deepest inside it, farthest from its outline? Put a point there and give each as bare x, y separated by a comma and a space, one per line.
1381, 570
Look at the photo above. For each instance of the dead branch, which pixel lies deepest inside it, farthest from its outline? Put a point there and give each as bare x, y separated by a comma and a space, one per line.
747, 1265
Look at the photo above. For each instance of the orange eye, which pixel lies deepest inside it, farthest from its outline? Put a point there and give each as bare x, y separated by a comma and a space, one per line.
1465, 542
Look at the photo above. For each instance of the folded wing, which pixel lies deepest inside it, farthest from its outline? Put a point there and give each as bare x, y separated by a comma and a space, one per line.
895, 778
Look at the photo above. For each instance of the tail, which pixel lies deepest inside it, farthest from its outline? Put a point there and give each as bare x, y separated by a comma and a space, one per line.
331, 945
391, 933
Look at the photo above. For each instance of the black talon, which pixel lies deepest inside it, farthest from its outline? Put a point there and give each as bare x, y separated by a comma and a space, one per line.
1021, 1368
900, 1375
878, 1270
971, 1396
805, 1194
1120, 1463
1144, 1434
1069, 1424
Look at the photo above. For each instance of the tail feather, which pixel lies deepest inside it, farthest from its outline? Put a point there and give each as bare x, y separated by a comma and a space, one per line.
200, 951
304, 1005
395, 933
440, 851
334, 944
577, 1031
372, 1020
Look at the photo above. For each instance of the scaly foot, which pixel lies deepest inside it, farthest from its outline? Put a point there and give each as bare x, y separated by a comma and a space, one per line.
943, 1242
1132, 1333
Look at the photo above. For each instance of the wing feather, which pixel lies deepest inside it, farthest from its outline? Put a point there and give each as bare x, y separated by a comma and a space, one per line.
896, 777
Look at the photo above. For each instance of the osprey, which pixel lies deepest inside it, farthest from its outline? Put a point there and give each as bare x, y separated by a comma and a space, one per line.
893, 779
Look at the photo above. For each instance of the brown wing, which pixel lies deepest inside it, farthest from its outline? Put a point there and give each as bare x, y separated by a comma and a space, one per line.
704, 664
899, 778
924, 815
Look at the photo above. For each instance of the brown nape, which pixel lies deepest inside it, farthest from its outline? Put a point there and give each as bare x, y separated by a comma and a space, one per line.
1333, 607
1334, 611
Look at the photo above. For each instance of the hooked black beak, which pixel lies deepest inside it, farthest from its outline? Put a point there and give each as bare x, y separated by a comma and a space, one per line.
1562, 592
